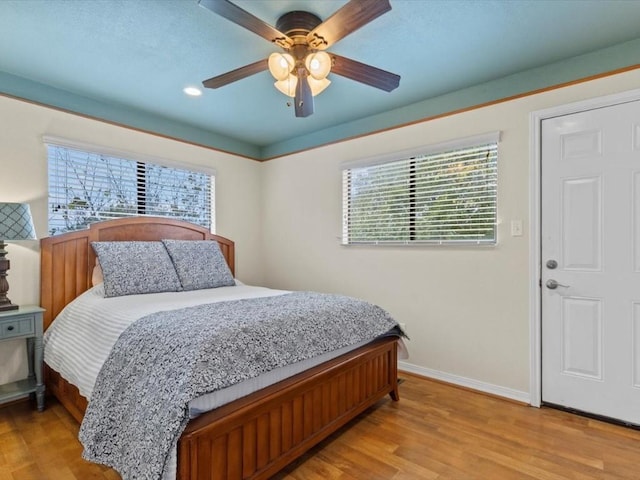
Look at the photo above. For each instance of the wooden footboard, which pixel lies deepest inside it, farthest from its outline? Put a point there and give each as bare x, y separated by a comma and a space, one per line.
257, 435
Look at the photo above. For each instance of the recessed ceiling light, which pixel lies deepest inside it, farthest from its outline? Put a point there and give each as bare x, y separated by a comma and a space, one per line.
192, 91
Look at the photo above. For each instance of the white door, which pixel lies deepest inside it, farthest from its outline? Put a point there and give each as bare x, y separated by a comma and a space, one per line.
591, 230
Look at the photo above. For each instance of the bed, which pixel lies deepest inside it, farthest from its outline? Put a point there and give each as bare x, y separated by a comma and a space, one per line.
254, 436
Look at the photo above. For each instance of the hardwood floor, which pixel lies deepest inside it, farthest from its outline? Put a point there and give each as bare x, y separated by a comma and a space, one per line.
43, 446
436, 431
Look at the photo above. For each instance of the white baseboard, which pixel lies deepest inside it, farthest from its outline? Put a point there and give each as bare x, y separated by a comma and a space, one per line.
466, 382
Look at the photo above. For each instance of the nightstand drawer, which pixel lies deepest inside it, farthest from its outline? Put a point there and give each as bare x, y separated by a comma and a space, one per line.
17, 327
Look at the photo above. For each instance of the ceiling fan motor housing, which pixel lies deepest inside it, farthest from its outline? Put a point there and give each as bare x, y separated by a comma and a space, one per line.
298, 24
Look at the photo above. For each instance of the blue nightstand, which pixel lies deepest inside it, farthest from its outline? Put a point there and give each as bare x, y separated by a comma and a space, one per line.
26, 322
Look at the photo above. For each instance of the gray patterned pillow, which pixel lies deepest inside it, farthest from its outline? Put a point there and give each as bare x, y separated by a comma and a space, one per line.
199, 263
131, 268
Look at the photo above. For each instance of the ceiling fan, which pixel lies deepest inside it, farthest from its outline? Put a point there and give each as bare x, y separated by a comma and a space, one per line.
301, 72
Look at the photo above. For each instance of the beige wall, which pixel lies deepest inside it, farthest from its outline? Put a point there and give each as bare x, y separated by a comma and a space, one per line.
23, 178
466, 308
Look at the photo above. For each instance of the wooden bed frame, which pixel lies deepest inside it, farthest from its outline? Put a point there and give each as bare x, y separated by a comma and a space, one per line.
254, 436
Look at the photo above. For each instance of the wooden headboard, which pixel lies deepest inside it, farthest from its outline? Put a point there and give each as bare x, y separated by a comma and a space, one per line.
67, 260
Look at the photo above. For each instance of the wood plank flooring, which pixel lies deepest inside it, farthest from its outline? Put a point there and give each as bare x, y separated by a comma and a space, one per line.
436, 431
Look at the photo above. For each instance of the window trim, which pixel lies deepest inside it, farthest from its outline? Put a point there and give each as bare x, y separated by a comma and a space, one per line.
425, 150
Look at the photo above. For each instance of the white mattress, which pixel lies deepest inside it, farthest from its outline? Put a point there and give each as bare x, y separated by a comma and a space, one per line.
79, 340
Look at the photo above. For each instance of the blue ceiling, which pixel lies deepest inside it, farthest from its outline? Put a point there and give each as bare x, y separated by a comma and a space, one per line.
127, 61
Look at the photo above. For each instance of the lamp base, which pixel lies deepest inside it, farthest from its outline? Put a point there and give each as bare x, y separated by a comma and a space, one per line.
5, 303
8, 306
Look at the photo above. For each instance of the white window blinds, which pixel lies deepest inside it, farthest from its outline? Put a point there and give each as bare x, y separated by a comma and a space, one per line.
442, 197
87, 187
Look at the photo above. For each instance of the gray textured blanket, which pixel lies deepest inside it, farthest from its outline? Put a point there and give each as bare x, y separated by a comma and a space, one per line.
139, 406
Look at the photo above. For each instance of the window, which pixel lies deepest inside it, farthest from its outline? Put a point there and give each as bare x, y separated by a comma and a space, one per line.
442, 197
88, 186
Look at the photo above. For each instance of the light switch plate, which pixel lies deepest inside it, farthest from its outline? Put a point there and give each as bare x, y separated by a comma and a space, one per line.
516, 228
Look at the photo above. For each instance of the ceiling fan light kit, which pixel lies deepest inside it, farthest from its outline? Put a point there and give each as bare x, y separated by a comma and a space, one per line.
287, 86
301, 72
281, 65
318, 64
318, 85
284, 69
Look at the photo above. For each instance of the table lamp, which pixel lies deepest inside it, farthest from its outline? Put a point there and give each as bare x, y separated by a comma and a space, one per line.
15, 224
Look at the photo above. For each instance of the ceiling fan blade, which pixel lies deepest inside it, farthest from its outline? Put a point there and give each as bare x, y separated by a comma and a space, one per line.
363, 73
237, 74
304, 97
346, 20
241, 17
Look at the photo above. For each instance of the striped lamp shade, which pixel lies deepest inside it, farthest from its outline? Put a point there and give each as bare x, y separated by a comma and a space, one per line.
16, 222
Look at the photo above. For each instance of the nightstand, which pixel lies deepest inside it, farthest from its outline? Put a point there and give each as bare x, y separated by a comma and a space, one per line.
26, 322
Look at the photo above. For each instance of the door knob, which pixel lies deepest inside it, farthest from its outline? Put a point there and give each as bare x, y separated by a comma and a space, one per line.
553, 284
